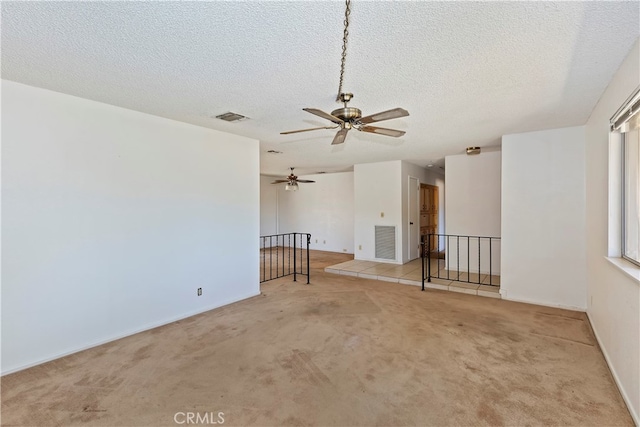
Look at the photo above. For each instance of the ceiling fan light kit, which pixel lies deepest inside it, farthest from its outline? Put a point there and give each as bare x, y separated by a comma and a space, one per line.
292, 186
347, 118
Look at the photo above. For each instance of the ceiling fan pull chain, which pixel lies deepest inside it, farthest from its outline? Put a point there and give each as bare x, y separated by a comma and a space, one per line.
347, 12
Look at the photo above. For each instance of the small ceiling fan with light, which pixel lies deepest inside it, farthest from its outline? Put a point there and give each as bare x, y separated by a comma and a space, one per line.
348, 118
292, 182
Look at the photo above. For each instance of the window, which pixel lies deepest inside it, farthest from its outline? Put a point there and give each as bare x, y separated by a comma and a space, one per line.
627, 122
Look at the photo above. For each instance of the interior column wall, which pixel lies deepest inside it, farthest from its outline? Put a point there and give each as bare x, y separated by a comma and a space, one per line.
543, 218
377, 201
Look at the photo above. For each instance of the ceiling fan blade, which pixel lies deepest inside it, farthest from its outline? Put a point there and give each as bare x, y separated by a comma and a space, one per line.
305, 180
382, 131
280, 181
324, 115
384, 115
340, 136
306, 130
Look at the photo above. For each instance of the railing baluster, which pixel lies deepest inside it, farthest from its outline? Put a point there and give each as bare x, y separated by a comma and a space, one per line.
425, 251
490, 273
270, 256
294, 258
308, 265
429, 258
458, 252
479, 268
468, 260
438, 254
289, 252
448, 261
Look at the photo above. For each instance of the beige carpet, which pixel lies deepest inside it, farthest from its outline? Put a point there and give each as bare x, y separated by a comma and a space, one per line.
342, 351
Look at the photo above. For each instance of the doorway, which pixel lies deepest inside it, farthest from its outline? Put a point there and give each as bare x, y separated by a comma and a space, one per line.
429, 208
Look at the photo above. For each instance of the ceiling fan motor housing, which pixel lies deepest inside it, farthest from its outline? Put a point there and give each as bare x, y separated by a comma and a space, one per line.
347, 114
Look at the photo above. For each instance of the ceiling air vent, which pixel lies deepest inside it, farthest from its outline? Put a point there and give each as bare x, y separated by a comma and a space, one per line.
231, 117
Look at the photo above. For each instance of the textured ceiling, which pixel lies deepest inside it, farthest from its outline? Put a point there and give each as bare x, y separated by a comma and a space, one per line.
468, 72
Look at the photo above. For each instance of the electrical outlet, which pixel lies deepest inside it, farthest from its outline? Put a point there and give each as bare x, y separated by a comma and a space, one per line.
344, 250
316, 240
381, 214
199, 291
324, 242
359, 247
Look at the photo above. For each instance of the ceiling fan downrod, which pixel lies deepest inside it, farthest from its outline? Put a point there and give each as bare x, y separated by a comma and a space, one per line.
345, 37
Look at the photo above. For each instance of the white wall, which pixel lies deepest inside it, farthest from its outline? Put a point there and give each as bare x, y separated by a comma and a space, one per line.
473, 208
111, 221
377, 192
268, 206
323, 208
613, 298
543, 218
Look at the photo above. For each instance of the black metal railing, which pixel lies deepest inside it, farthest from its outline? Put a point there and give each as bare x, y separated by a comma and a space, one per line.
284, 255
470, 259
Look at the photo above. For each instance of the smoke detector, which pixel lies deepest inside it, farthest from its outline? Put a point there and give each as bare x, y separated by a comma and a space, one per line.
473, 150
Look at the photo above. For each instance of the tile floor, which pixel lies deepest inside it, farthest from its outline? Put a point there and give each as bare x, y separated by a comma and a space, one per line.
411, 274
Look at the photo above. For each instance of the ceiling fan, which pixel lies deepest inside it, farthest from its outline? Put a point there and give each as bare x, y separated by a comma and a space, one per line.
348, 118
292, 182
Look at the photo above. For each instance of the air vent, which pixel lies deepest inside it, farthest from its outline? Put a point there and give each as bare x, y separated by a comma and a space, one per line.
274, 152
231, 117
385, 242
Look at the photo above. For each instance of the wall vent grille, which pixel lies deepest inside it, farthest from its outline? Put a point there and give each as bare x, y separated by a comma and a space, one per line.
385, 242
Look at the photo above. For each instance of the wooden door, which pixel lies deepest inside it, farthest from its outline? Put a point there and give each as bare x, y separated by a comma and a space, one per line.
429, 208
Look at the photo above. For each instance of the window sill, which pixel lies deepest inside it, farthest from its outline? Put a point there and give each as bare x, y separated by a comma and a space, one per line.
626, 267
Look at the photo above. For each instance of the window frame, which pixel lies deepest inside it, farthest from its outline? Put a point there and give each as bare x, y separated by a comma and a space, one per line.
616, 124
623, 198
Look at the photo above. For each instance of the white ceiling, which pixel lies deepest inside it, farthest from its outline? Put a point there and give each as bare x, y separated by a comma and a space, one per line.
468, 72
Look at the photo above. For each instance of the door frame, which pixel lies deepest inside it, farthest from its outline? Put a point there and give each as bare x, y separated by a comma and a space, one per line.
413, 233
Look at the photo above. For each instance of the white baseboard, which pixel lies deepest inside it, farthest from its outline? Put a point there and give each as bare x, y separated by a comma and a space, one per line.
543, 303
129, 333
625, 397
